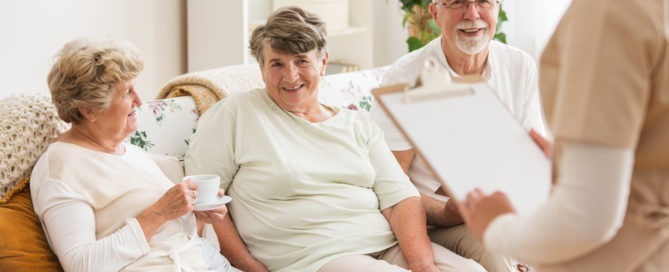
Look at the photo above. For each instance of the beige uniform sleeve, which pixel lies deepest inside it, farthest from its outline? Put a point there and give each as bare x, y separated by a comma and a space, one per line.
585, 210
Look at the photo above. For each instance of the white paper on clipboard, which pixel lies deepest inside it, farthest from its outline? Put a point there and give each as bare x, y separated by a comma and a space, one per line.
469, 139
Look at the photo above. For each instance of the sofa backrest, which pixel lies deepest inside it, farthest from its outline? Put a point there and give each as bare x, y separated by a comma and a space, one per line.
165, 125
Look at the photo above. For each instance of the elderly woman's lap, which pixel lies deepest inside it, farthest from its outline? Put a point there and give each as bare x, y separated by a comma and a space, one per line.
391, 260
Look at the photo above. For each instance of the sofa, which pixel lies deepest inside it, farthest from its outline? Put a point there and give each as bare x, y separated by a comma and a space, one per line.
165, 124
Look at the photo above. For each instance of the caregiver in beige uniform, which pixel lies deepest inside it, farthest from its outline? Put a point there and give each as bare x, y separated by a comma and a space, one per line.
605, 89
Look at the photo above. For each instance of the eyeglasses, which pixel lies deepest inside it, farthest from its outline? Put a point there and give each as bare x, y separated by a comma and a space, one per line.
462, 4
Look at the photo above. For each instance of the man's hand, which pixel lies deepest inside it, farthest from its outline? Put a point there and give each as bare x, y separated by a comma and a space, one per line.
452, 212
439, 213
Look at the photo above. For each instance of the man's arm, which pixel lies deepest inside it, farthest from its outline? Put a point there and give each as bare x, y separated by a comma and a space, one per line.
405, 158
234, 249
438, 213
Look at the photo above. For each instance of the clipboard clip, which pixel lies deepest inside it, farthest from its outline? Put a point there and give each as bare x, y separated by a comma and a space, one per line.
434, 82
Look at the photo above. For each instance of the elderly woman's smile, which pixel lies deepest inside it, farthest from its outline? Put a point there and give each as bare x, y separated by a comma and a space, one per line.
293, 89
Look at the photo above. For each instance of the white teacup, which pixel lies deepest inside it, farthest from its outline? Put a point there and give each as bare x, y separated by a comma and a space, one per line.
207, 188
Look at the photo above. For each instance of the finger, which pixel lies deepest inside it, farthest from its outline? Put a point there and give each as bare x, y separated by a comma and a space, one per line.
543, 143
474, 195
191, 184
537, 137
207, 215
472, 200
498, 194
202, 215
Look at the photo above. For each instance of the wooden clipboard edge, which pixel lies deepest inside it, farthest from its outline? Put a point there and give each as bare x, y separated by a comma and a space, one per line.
378, 92
469, 79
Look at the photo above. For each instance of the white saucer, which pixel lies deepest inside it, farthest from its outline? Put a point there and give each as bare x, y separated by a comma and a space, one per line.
210, 206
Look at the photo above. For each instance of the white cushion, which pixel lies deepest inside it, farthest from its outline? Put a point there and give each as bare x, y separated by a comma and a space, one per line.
172, 166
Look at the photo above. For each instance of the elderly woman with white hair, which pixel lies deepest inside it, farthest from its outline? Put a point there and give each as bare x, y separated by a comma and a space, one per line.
104, 204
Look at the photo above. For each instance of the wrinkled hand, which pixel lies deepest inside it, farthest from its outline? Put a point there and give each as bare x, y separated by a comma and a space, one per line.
543, 143
177, 201
480, 209
212, 216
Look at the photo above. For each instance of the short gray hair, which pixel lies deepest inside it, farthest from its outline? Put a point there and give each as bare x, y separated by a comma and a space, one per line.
289, 30
85, 72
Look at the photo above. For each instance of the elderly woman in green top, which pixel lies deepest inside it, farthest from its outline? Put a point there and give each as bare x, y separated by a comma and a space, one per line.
315, 188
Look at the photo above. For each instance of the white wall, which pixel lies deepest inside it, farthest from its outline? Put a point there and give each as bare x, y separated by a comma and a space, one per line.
216, 33
218, 30
531, 23
389, 35
34, 30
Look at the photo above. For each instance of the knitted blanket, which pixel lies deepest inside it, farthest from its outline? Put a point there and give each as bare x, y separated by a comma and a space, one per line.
28, 124
209, 86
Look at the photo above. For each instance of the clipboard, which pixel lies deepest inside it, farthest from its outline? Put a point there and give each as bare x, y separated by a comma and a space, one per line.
469, 139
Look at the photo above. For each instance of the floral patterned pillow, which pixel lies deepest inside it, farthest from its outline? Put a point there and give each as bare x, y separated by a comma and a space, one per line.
165, 125
351, 90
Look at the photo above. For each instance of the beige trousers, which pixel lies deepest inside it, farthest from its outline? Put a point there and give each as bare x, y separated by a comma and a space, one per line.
391, 260
460, 240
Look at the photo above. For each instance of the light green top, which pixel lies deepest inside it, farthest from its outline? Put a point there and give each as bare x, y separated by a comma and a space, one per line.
303, 193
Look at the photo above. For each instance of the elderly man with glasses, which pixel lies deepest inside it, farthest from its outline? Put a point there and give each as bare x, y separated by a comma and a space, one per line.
465, 47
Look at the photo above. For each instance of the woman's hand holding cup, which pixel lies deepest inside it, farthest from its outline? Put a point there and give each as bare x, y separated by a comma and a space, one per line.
207, 188
177, 201
208, 193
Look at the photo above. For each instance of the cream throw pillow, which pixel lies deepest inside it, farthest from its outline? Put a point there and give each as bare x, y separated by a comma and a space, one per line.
172, 166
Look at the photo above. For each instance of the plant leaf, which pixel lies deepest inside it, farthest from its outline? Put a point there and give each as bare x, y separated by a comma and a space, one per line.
501, 18
414, 43
500, 37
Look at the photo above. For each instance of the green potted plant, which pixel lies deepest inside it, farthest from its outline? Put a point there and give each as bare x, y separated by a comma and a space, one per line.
423, 29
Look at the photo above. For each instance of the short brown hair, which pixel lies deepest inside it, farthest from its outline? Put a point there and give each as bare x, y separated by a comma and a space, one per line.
85, 72
289, 30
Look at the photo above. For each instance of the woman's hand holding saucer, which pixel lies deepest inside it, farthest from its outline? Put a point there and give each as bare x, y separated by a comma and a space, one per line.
213, 215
